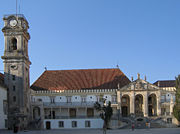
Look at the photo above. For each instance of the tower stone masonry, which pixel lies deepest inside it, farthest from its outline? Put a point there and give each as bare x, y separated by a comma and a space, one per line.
16, 69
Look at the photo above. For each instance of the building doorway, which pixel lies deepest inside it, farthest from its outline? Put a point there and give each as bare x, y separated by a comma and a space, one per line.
90, 112
72, 112
48, 125
125, 105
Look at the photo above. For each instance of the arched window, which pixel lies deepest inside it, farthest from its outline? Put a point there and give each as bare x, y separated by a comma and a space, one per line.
14, 44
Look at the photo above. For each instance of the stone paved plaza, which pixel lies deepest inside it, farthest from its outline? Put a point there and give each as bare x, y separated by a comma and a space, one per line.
98, 131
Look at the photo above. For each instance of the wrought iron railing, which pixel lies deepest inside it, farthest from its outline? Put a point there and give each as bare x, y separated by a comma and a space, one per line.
77, 117
71, 117
67, 104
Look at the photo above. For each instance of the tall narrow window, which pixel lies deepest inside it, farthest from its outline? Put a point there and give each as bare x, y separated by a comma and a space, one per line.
74, 123
52, 100
14, 88
61, 123
13, 77
14, 44
5, 106
90, 112
14, 98
6, 123
87, 124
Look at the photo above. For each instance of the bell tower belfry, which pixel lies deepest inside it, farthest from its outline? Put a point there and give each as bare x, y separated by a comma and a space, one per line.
16, 69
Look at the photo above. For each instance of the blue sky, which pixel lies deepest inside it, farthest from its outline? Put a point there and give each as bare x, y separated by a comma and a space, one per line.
139, 35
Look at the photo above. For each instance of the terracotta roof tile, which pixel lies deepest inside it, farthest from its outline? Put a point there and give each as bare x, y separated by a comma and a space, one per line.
80, 79
165, 83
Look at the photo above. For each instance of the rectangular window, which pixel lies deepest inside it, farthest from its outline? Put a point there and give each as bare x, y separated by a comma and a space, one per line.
68, 99
74, 123
87, 124
114, 99
90, 112
6, 123
61, 123
72, 112
83, 99
52, 100
5, 106
13, 77
14, 88
14, 98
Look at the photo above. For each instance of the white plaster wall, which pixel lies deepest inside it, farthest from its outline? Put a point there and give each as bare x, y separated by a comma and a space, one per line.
76, 98
168, 97
95, 123
3, 96
91, 98
43, 98
60, 99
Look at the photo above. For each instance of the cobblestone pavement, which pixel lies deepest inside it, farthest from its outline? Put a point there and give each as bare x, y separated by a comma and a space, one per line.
99, 131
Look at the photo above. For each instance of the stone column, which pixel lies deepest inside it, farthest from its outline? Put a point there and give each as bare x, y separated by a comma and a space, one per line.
145, 102
158, 106
132, 97
119, 103
171, 105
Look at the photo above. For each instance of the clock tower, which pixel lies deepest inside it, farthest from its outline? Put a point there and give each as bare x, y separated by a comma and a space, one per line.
16, 69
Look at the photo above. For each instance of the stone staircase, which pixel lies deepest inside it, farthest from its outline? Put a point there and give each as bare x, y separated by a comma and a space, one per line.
140, 122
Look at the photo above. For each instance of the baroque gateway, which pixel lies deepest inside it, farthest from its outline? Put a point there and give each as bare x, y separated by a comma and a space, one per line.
65, 98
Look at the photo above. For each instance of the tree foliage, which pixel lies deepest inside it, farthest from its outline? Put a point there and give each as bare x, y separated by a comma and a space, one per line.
176, 109
106, 112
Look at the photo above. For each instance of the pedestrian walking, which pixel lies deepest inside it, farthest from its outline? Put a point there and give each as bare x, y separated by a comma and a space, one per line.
132, 126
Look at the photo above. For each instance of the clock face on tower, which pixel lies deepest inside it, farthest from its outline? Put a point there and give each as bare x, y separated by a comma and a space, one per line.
13, 22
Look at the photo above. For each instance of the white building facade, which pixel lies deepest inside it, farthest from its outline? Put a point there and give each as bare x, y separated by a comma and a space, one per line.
74, 108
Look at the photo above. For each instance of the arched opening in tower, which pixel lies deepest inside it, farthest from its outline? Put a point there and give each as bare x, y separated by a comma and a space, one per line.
14, 44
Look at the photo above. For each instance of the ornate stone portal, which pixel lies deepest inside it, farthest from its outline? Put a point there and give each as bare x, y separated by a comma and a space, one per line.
140, 99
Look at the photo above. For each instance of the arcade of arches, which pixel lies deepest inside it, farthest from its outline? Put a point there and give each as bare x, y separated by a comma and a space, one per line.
140, 104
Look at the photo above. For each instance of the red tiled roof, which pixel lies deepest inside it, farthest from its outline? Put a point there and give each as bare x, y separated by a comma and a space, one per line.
165, 83
80, 79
